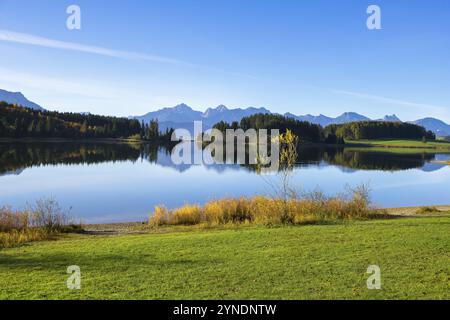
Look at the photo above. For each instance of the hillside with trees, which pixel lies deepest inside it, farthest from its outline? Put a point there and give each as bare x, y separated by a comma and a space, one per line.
378, 130
307, 131
332, 134
19, 122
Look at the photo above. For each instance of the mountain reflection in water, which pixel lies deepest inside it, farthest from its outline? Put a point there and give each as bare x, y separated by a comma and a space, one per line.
16, 157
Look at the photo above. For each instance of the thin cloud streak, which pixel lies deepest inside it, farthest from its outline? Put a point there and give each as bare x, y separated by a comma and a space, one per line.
440, 109
23, 38
80, 88
29, 39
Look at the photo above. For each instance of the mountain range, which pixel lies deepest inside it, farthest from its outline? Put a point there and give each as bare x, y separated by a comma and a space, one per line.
183, 116
19, 99
439, 127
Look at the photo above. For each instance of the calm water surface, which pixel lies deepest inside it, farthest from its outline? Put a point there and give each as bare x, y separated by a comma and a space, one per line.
119, 182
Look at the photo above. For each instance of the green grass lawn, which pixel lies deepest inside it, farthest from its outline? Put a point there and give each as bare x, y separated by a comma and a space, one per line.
397, 150
401, 144
304, 262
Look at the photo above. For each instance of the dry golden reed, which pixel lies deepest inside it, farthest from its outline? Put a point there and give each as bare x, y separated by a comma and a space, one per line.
259, 210
39, 222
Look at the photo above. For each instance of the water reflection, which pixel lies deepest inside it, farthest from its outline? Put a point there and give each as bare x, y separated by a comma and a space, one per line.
106, 182
15, 157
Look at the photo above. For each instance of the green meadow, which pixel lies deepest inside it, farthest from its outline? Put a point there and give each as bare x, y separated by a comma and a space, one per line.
326, 261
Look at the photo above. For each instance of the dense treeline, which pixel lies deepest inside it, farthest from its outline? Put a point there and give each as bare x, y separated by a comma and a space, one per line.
332, 134
378, 130
150, 132
304, 130
19, 122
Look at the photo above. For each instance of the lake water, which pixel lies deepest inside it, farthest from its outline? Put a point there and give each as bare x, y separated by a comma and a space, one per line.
104, 182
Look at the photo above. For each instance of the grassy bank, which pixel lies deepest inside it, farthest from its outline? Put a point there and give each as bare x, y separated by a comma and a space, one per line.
416, 144
290, 262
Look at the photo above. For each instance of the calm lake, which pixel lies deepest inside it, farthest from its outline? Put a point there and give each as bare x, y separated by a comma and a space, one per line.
106, 182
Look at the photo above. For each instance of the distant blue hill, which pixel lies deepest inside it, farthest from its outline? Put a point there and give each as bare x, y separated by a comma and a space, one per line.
19, 99
440, 128
183, 116
392, 118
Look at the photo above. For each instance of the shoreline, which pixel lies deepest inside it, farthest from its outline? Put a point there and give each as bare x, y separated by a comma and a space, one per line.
135, 227
59, 140
238, 262
352, 145
386, 144
86, 141
441, 162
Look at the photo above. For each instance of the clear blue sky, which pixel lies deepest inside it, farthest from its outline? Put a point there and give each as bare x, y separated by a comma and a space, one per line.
131, 57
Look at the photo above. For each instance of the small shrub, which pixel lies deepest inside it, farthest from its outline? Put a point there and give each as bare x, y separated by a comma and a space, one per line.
213, 212
18, 237
160, 217
47, 213
40, 221
13, 220
187, 215
135, 137
267, 211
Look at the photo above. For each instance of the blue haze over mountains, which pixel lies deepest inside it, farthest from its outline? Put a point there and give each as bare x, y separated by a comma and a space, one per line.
183, 116
19, 99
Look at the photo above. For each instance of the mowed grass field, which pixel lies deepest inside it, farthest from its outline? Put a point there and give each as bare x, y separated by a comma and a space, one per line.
302, 262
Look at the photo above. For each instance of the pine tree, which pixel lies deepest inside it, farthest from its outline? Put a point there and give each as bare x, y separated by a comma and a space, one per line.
31, 128
17, 127
153, 130
2, 129
114, 128
84, 128
142, 130
48, 125
40, 127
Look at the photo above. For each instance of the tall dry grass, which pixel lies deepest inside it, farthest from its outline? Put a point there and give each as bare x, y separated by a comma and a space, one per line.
312, 208
39, 222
